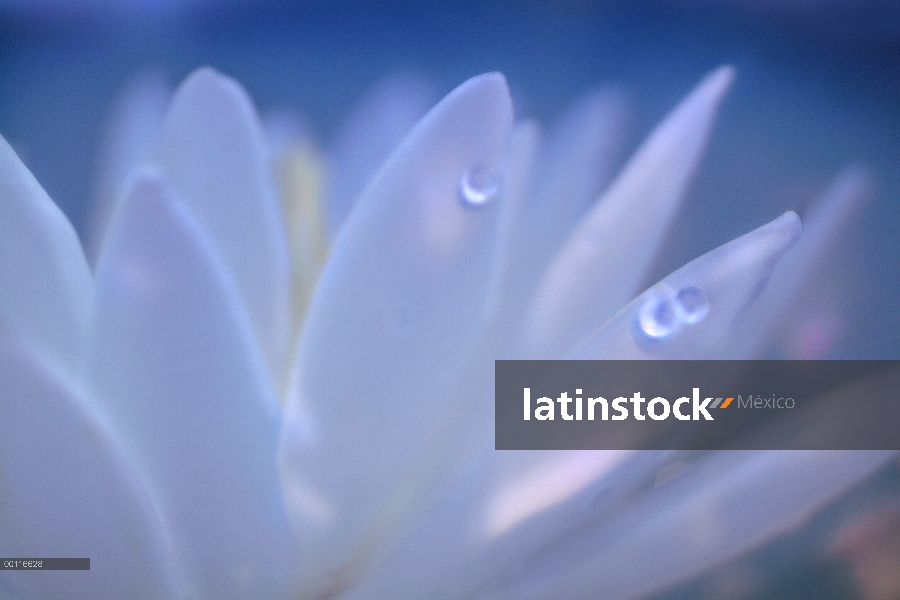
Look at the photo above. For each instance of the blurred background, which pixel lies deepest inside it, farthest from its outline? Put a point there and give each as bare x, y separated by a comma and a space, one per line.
818, 88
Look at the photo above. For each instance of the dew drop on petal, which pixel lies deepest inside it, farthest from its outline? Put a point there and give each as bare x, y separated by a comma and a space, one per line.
691, 304
657, 317
478, 186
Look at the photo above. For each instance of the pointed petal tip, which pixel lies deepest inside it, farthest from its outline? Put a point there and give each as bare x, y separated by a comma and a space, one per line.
855, 183
710, 92
494, 78
145, 178
767, 244
720, 79
787, 228
210, 80
847, 193
205, 74
851, 188
791, 220
491, 84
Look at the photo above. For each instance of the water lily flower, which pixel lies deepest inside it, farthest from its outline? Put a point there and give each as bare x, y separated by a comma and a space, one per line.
166, 414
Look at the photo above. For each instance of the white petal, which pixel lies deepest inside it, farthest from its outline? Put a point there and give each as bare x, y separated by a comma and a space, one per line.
131, 135
508, 505
822, 230
177, 371
67, 491
728, 279
576, 163
453, 537
213, 152
727, 504
601, 264
374, 416
45, 277
523, 152
368, 136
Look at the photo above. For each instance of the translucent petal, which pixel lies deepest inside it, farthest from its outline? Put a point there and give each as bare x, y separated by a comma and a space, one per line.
723, 506
523, 151
130, 137
175, 367
212, 150
508, 505
564, 509
66, 490
418, 567
601, 264
730, 278
822, 230
374, 418
576, 163
368, 136
45, 277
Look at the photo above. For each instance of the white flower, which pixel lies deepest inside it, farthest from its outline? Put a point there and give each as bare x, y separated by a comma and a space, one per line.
140, 422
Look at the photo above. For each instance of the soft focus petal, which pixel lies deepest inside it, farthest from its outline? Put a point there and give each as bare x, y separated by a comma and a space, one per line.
727, 504
176, 369
721, 285
67, 491
577, 162
46, 281
524, 143
600, 266
401, 305
368, 136
508, 505
213, 152
824, 227
132, 134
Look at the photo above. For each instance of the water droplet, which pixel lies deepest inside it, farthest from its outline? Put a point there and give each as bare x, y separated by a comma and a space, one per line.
657, 318
403, 320
691, 304
478, 186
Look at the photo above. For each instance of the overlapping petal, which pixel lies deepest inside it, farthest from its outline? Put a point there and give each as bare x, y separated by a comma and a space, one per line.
45, 277
715, 511
373, 415
368, 136
170, 456
827, 222
718, 289
511, 504
67, 490
601, 264
174, 364
575, 164
130, 137
213, 152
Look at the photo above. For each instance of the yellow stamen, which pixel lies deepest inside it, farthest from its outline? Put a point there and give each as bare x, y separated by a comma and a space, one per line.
301, 177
